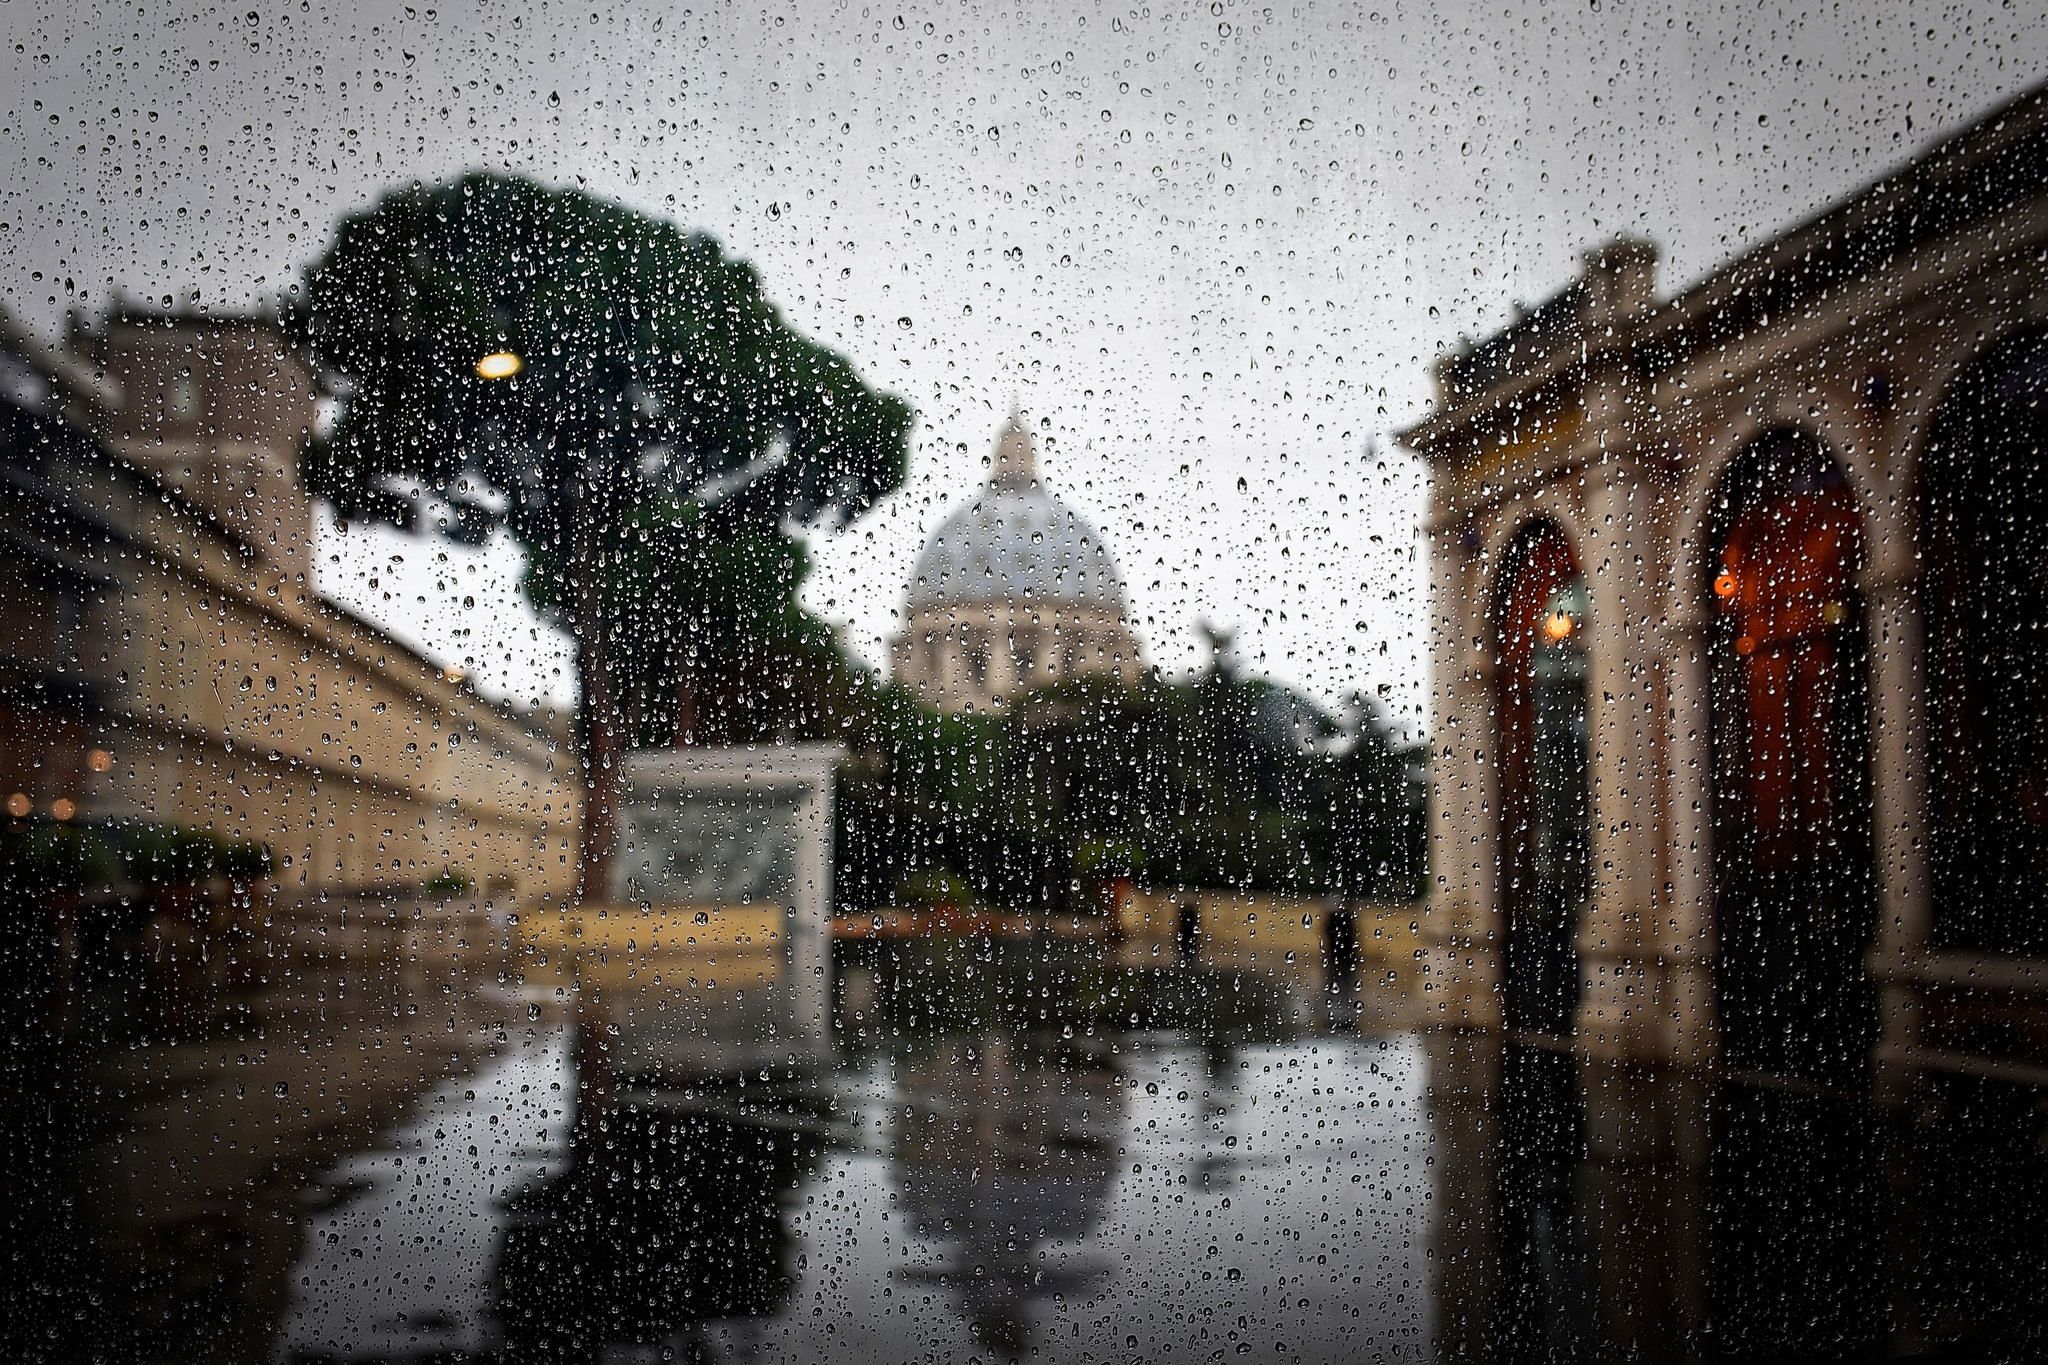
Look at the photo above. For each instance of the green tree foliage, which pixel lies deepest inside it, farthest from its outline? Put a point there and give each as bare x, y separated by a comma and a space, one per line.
1221, 781
668, 424
725, 653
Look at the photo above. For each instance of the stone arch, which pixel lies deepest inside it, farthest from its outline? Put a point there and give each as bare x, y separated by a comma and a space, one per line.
1945, 354
1781, 579
1982, 536
1512, 521
1483, 567
1543, 864
1691, 550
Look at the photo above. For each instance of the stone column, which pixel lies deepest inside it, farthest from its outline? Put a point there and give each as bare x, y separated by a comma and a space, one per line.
952, 653
1899, 827
1460, 983
1620, 974
1687, 935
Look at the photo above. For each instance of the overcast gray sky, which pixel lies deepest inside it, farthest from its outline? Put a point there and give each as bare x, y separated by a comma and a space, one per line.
1213, 245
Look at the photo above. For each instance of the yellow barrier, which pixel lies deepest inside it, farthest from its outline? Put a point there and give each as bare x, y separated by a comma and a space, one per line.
627, 927
1236, 928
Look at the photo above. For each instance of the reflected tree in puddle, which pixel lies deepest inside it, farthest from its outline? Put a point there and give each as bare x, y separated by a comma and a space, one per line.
665, 1219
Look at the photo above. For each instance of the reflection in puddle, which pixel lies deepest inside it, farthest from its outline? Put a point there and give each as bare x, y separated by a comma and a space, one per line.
400, 1249
1003, 1156
1014, 1153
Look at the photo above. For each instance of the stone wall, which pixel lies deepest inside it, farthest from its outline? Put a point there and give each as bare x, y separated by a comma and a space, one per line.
1280, 932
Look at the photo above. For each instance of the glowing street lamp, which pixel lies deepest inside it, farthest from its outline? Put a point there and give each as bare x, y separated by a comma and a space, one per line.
499, 365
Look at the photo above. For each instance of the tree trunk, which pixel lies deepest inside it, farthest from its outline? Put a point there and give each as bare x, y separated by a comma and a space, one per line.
602, 749
686, 709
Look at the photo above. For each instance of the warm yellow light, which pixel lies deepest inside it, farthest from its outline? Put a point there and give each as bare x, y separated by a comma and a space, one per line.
1724, 585
499, 365
63, 808
99, 760
18, 805
1559, 625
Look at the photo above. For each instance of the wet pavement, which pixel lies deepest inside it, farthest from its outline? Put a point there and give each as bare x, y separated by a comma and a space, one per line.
1010, 1153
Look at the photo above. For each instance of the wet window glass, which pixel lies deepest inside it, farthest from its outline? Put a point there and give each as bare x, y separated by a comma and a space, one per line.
977, 683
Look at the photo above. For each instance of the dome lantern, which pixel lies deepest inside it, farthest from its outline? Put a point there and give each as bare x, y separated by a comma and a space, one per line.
1016, 458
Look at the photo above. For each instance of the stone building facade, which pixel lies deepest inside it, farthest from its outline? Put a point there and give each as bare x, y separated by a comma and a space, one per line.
1015, 590
1738, 608
217, 413
181, 671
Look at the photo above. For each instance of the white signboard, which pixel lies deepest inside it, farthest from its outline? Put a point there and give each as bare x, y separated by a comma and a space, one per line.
734, 829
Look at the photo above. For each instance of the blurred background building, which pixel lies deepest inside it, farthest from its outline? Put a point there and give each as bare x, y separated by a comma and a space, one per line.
1015, 590
1740, 608
170, 662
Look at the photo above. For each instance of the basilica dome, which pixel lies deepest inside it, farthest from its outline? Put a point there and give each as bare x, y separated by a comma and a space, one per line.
1015, 541
1015, 589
